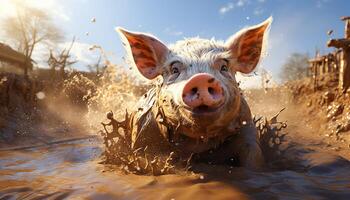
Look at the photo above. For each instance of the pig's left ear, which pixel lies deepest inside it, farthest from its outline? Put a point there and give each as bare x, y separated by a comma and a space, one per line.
148, 52
246, 46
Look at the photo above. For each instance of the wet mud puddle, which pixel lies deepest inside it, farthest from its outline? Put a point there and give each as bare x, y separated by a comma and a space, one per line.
71, 171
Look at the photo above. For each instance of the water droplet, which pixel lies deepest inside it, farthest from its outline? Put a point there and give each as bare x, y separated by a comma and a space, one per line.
40, 95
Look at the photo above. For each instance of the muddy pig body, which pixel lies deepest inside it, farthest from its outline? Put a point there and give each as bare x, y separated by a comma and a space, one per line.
196, 106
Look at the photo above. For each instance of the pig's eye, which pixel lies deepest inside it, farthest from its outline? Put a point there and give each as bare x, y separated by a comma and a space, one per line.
174, 70
224, 68
175, 67
223, 64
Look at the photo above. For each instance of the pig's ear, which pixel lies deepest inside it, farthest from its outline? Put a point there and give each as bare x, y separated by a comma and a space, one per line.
148, 52
247, 45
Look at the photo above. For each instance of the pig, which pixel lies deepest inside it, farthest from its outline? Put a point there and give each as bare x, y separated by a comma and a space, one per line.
196, 106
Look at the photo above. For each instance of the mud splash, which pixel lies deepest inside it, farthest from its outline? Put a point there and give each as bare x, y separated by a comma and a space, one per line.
118, 149
116, 90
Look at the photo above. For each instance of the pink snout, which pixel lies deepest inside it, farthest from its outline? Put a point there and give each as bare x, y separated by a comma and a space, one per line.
203, 90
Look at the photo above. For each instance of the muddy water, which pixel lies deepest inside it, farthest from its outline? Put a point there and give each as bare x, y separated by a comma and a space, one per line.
71, 171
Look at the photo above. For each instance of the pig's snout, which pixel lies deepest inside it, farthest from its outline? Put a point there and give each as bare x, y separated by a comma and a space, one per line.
203, 91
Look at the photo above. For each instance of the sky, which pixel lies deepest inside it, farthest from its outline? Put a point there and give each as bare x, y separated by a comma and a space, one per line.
299, 26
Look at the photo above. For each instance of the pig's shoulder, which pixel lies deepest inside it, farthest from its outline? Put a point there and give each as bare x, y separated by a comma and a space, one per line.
245, 113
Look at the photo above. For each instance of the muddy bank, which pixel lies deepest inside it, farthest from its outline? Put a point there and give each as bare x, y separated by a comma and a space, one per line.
325, 111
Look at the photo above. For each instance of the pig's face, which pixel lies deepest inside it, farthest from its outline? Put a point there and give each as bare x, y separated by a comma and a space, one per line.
199, 93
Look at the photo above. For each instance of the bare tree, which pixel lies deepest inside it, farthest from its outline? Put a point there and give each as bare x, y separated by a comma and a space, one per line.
28, 28
97, 68
295, 67
62, 60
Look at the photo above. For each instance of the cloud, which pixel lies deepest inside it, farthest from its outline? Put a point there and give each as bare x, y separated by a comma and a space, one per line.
230, 6
171, 31
177, 33
226, 8
241, 3
261, 1
258, 11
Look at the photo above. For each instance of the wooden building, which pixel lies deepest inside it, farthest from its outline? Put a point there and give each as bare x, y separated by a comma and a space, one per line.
9, 55
335, 65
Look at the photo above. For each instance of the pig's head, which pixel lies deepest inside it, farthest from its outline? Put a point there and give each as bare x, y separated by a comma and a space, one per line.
199, 93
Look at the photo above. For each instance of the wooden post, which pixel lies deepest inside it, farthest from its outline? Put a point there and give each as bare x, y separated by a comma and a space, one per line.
346, 69
346, 55
316, 73
347, 27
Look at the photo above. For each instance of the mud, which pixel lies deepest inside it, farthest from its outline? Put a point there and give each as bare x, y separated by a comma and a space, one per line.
73, 171
307, 168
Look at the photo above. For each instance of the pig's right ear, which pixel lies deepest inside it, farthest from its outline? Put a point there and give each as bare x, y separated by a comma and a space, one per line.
148, 52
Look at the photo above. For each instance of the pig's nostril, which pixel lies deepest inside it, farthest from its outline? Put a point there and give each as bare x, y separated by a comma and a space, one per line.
203, 89
194, 90
211, 90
